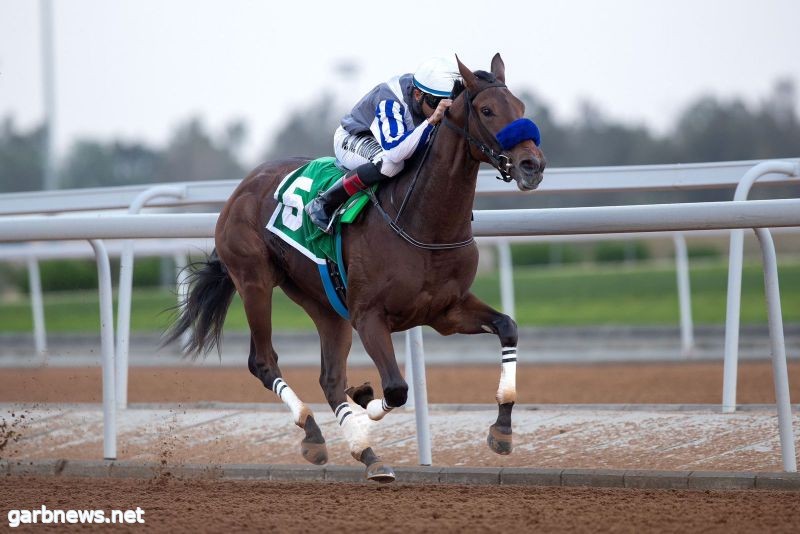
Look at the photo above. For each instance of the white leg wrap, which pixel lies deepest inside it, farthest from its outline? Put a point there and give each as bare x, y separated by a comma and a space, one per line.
507, 391
376, 409
299, 410
355, 432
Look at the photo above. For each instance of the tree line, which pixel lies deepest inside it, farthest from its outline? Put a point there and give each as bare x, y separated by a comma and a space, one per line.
707, 129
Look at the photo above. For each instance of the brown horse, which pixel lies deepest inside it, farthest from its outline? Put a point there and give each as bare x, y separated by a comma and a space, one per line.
395, 281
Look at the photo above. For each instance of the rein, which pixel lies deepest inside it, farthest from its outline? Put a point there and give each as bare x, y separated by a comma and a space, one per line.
397, 228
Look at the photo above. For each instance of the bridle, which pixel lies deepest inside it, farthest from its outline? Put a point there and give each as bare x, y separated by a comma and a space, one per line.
498, 160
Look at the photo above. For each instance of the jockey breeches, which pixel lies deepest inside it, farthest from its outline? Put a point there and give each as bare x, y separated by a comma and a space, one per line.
355, 150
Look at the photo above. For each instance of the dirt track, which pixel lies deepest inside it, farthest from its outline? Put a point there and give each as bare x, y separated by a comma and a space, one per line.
288, 507
600, 383
182, 506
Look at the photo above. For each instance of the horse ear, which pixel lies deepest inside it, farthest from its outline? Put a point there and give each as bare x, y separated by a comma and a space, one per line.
499, 68
470, 80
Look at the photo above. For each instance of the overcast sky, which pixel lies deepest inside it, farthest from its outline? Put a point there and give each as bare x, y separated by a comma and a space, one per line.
135, 68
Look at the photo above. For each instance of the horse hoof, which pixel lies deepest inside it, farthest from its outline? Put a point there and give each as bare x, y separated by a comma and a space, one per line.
362, 394
380, 472
498, 441
316, 453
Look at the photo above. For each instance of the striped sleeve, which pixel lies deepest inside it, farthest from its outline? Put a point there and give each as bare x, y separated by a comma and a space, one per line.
398, 139
391, 123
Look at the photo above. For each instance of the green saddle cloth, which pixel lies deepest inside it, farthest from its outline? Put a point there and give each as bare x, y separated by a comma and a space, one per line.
290, 222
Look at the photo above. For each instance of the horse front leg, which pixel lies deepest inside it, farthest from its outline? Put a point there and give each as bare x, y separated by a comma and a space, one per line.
336, 336
472, 316
377, 340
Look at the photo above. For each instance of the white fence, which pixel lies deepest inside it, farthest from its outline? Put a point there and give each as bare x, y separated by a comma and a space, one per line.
675, 217
564, 221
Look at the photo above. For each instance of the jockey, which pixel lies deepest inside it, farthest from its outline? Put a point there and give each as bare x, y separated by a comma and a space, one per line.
384, 129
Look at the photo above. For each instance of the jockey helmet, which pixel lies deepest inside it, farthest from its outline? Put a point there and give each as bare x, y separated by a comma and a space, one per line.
436, 76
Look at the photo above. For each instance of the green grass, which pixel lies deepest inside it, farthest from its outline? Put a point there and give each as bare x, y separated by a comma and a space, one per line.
638, 295
544, 296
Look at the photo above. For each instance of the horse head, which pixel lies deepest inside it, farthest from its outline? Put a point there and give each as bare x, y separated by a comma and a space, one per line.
494, 124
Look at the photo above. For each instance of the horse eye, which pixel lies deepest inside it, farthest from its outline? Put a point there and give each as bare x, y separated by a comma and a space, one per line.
486, 112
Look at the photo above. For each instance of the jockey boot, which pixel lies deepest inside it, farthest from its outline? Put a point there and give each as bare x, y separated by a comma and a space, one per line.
322, 208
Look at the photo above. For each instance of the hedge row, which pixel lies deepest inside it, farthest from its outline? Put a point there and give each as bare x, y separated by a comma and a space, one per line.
70, 275
606, 252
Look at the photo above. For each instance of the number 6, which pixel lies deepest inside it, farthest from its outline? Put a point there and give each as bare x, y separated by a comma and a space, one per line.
292, 214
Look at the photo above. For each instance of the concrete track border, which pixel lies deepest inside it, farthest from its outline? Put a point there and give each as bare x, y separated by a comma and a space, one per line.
595, 478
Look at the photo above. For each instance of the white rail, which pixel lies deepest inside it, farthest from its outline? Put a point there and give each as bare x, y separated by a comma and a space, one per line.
550, 221
735, 259
679, 177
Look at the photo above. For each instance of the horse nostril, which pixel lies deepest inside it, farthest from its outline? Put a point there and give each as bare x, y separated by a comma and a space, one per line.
528, 166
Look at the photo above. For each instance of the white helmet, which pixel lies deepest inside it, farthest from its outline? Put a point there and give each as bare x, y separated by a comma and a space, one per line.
436, 75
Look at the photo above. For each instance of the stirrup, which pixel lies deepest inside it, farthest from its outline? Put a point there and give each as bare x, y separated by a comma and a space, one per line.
329, 228
316, 214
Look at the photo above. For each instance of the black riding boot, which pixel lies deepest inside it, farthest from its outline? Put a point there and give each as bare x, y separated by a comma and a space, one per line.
321, 209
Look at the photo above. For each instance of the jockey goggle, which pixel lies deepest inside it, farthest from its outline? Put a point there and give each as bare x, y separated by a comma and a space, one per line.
431, 100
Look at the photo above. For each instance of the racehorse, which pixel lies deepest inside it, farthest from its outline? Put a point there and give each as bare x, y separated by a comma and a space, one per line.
415, 270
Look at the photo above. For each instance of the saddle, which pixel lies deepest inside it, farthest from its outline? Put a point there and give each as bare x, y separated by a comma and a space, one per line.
291, 224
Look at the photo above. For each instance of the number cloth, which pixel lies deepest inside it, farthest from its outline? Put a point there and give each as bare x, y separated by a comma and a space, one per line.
290, 222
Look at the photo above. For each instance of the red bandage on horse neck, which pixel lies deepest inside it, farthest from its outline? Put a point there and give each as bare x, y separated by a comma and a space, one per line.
353, 184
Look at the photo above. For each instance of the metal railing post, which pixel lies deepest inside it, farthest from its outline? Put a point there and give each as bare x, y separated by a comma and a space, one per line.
780, 373
420, 396
107, 347
684, 294
37, 307
182, 288
409, 375
735, 260
126, 289
506, 277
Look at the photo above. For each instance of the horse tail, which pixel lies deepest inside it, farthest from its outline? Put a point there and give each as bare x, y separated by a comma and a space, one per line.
203, 310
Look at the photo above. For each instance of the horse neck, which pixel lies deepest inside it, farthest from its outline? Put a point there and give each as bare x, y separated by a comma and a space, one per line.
440, 207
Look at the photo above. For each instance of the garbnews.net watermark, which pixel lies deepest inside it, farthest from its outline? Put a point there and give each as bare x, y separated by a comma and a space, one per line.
74, 517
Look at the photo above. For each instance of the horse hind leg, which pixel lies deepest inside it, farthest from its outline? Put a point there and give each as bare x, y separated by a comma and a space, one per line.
312, 447
241, 248
471, 316
263, 364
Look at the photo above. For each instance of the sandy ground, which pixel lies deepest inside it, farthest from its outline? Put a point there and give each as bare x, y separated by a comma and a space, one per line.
682, 383
207, 505
181, 506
